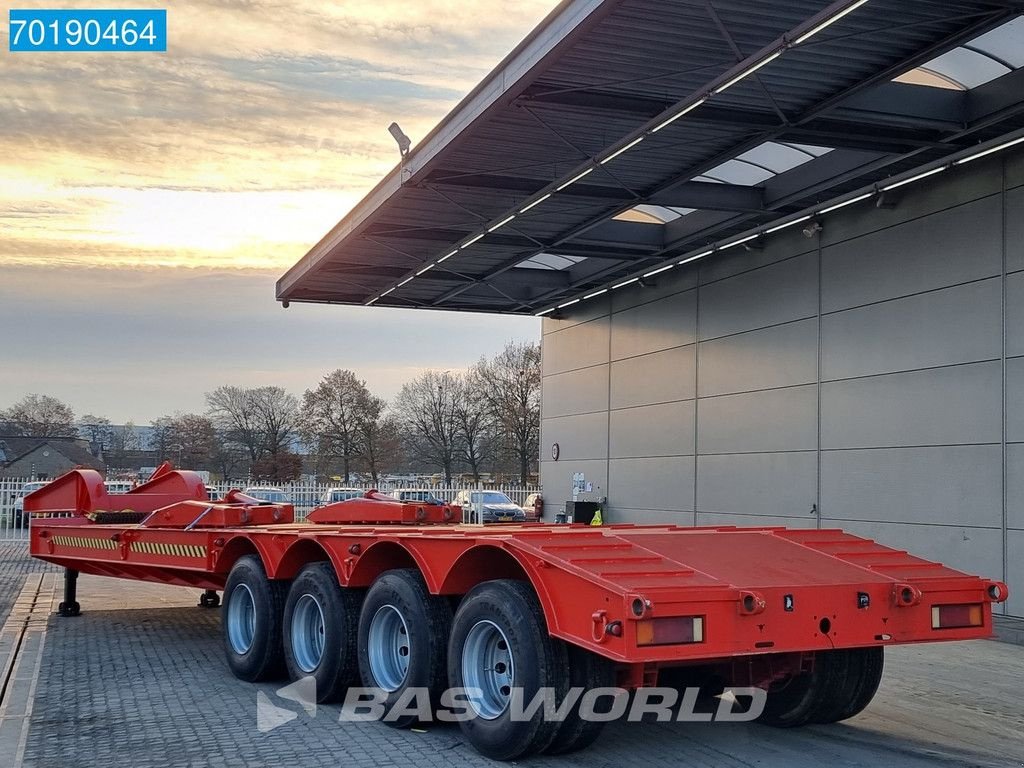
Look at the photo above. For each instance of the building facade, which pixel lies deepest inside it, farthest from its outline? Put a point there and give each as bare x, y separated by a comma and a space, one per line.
868, 377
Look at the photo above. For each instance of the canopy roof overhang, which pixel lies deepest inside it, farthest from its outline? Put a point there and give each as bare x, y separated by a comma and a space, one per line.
625, 136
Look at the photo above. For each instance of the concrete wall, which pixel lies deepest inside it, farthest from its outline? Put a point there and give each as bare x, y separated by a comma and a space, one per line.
871, 378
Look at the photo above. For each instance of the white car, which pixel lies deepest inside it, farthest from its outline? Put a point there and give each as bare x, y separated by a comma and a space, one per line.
268, 494
334, 495
493, 506
21, 519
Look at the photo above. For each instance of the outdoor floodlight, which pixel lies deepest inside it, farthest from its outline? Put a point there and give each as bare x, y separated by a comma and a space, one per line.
404, 142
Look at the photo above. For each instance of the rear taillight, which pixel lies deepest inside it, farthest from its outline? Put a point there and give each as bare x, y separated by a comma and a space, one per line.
957, 616
670, 630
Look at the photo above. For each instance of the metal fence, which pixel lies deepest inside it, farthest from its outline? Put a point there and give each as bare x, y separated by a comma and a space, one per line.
304, 495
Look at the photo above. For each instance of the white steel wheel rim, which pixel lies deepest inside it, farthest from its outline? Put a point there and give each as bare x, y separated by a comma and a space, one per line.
307, 633
388, 648
241, 619
488, 669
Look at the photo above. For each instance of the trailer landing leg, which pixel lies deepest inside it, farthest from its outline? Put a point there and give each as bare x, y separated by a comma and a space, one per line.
70, 607
209, 599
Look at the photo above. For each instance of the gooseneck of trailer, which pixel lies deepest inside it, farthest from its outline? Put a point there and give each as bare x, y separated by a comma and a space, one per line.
398, 596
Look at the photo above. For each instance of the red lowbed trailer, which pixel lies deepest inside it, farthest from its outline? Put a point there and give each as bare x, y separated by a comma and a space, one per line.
403, 596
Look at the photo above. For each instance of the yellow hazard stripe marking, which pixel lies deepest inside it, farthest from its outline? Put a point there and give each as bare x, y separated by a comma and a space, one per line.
169, 550
88, 542
147, 547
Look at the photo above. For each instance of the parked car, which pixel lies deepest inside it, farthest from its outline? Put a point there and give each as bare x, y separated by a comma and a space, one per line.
117, 487
423, 495
333, 495
21, 518
493, 507
268, 494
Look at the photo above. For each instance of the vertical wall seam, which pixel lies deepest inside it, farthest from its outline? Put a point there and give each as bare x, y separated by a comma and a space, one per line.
696, 389
817, 473
608, 415
1003, 393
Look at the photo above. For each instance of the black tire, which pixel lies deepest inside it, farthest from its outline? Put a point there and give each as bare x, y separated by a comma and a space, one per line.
263, 659
538, 662
796, 701
427, 621
587, 671
317, 587
863, 674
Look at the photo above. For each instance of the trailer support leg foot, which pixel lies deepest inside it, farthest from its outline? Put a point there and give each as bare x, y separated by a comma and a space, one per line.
69, 607
209, 599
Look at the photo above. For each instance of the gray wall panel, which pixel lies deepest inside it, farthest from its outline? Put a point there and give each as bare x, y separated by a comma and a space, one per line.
1015, 485
953, 325
584, 313
649, 516
779, 356
779, 484
1015, 314
659, 287
663, 324
659, 377
938, 195
727, 518
582, 391
735, 261
775, 294
1015, 572
652, 430
652, 484
942, 406
773, 420
556, 479
1015, 230
960, 485
1015, 400
578, 437
900, 261
576, 347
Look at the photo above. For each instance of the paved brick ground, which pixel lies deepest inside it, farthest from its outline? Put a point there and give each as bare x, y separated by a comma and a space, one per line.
139, 680
14, 566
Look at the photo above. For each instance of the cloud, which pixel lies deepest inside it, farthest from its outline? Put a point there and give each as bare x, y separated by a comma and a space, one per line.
262, 125
152, 341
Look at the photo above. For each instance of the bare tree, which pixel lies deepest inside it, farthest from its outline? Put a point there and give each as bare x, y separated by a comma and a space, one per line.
475, 424
194, 438
510, 383
39, 416
160, 437
381, 439
427, 406
97, 430
123, 439
333, 415
264, 420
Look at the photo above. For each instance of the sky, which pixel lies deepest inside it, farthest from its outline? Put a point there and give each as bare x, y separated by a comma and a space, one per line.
149, 202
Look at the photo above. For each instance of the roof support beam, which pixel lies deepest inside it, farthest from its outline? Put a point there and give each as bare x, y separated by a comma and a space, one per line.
708, 196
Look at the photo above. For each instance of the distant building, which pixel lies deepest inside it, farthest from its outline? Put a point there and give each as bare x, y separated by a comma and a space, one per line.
44, 457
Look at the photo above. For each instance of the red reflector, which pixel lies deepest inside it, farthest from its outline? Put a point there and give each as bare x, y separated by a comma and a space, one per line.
957, 616
670, 630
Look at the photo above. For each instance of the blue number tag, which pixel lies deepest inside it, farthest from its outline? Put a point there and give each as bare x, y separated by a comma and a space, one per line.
87, 30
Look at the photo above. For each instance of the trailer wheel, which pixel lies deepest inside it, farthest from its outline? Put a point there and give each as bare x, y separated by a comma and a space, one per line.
587, 670
500, 643
863, 674
797, 700
251, 619
403, 630
321, 620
